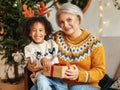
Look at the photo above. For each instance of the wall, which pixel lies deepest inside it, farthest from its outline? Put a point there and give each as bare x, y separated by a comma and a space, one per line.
112, 49
110, 20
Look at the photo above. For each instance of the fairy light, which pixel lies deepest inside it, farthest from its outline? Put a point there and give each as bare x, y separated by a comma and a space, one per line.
101, 8
100, 15
100, 27
102, 22
108, 4
100, 30
106, 22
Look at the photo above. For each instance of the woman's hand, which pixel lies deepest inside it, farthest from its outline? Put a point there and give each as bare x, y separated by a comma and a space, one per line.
46, 63
73, 73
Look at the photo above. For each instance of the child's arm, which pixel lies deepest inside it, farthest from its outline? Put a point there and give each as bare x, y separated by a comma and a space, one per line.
55, 58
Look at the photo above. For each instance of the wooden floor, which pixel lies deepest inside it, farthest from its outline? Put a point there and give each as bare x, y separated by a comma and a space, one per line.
6, 86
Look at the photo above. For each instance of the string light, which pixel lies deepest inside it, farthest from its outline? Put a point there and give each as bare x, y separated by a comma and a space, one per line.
100, 7
102, 22
100, 28
107, 4
106, 22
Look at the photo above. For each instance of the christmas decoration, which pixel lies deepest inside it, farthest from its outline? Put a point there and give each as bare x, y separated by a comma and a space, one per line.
18, 56
116, 4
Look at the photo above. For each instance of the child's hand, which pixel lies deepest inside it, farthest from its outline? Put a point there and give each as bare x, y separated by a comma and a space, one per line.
31, 66
46, 63
33, 75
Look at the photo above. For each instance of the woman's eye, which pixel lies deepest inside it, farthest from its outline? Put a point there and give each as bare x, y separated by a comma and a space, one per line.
61, 22
69, 20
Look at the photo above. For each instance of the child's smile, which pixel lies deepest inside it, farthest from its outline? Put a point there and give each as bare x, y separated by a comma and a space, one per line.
37, 32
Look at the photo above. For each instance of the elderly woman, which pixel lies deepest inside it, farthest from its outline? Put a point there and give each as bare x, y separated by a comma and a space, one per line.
80, 49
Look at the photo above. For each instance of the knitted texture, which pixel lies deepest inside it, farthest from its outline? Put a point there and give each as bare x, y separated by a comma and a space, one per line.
85, 51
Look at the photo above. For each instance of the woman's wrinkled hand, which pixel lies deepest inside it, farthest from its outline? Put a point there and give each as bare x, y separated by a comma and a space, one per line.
46, 63
72, 73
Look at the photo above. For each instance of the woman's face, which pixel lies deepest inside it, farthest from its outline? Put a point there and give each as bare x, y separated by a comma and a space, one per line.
69, 23
37, 32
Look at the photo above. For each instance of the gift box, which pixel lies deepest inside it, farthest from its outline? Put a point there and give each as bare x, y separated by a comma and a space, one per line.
57, 70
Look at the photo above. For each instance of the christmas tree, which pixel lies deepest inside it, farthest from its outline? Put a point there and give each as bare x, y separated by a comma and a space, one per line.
12, 38
11, 18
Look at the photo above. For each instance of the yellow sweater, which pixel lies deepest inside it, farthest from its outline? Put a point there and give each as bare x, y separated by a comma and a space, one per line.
86, 52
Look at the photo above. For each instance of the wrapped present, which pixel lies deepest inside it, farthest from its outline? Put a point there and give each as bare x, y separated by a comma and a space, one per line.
57, 70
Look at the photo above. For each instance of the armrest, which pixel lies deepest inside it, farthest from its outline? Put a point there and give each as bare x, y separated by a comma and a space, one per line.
27, 80
106, 82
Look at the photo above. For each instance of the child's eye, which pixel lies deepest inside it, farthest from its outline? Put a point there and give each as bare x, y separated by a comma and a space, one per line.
33, 30
40, 30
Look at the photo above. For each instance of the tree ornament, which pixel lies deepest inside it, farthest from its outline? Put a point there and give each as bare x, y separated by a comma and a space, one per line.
18, 56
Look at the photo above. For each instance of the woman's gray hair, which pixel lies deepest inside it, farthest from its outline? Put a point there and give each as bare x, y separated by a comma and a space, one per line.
70, 8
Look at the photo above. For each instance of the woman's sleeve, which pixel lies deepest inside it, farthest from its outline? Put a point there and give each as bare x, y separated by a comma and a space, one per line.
97, 70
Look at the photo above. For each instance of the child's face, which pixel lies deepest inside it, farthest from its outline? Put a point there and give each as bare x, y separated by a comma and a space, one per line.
37, 32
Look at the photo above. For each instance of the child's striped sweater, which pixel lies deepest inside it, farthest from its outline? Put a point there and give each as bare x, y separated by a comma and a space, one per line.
86, 52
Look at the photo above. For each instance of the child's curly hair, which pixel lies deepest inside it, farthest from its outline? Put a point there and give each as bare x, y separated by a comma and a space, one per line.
42, 19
